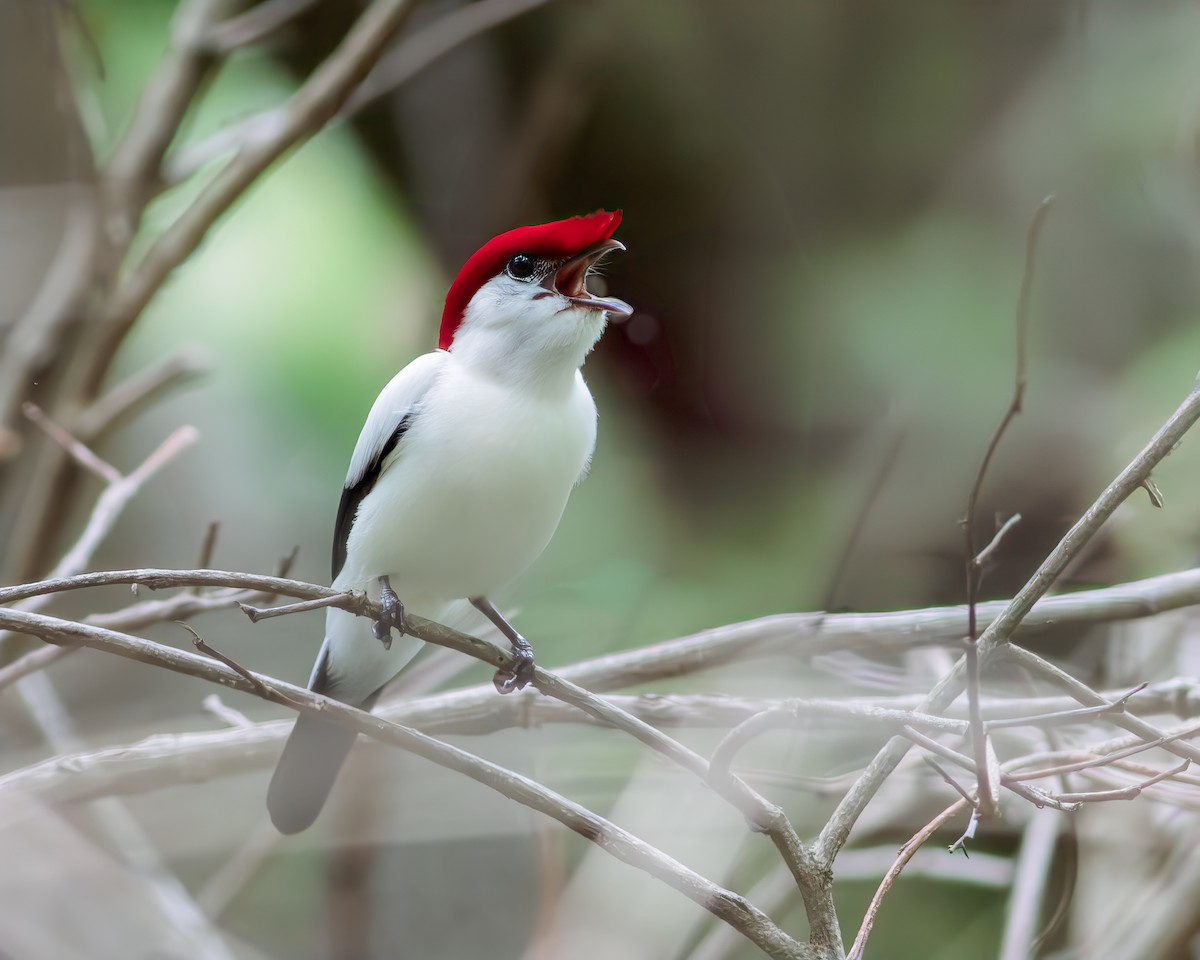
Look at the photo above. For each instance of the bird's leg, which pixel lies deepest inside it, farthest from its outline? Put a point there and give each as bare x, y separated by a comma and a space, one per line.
393, 614
520, 673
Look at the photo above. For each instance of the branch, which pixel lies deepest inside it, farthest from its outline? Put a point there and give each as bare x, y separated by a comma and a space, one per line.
801, 635
725, 905
404, 61
309, 109
988, 804
1000, 630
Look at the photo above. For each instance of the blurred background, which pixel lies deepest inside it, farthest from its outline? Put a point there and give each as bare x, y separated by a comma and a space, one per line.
826, 208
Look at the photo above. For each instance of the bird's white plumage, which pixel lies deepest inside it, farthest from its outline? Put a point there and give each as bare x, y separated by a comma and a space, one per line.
460, 474
472, 492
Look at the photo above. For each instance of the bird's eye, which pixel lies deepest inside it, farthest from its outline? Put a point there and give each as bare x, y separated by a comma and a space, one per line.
521, 266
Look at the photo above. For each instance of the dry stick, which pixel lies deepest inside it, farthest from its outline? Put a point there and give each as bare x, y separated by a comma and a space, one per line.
309, 109
256, 24
79, 452
28, 342
906, 854
795, 634
44, 705
1037, 797
409, 57
791, 714
1099, 756
135, 393
135, 617
1126, 793
109, 506
1087, 696
1038, 844
727, 906
835, 833
167, 760
988, 802
884, 470
1069, 716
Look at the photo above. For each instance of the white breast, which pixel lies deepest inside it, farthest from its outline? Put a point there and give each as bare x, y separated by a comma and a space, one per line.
473, 494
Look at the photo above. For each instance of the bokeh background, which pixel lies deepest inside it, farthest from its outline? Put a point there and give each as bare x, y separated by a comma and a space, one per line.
826, 208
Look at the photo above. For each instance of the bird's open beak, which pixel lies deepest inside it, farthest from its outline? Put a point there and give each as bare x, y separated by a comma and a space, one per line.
570, 280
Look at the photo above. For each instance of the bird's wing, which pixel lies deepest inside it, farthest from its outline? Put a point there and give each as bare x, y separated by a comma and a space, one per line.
391, 415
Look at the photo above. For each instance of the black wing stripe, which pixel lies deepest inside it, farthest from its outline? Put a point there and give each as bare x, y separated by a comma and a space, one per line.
353, 495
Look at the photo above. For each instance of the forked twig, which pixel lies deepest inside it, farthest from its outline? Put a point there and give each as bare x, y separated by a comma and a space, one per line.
975, 557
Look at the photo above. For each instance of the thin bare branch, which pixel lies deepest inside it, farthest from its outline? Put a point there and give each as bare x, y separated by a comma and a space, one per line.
405, 60
725, 905
1029, 885
257, 24
138, 391
858, 950
310, 108
304, 606
81, 454
1000, 630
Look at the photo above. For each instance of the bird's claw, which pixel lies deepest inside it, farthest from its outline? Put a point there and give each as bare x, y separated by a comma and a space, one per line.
518, 674
393, 615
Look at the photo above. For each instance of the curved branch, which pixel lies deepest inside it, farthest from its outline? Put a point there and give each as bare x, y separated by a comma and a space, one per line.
724, 904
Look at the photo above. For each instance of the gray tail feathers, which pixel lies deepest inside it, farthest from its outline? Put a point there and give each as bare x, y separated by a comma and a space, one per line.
310, 762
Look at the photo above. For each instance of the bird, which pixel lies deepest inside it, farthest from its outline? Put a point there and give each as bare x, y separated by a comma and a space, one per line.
459, 478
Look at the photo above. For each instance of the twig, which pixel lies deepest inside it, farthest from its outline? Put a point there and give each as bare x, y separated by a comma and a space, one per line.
256, 24
108, 508
1088, 697
408, 58
797, 713
164, 101
223, 711
998, 633
800, 635
950, 781
993, 545
304, 606
209, 545
1126, 793
975, 558
1061, 716
258, 687
1029, 885
727, 906
133, 394
310, 108
858, 950
31, 662
78, 451
882, 472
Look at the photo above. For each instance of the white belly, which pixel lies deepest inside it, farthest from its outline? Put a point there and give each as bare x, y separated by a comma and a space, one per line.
473, 493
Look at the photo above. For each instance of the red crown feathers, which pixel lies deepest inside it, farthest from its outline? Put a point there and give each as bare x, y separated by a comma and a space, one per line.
560, 240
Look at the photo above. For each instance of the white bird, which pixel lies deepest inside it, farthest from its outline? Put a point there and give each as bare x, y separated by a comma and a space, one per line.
460, 476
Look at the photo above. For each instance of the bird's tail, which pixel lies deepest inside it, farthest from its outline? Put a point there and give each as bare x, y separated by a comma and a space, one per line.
310, 762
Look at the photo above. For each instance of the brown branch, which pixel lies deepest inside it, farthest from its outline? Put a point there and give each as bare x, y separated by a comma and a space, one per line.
905, 855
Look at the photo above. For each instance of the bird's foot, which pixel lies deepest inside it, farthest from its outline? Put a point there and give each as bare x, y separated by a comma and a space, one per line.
518, 674
393, 614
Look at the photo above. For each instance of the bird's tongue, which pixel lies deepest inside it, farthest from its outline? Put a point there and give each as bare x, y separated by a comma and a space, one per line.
569, 280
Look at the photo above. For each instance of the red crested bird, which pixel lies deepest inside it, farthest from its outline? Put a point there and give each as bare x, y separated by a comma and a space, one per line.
460, 476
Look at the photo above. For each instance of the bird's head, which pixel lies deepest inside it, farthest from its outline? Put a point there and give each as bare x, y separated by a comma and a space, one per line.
523, 297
